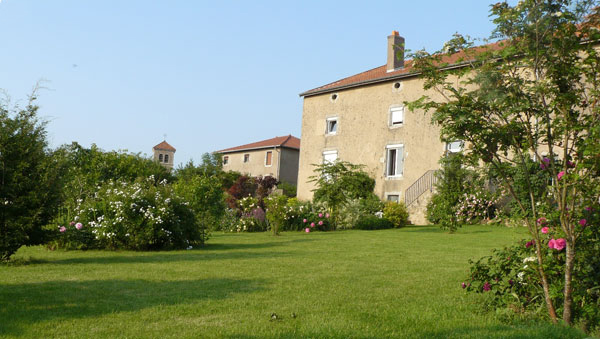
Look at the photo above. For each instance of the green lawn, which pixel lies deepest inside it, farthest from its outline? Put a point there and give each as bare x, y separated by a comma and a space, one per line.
362, 284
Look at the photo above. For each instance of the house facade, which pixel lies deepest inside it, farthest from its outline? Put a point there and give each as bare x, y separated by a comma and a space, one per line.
164, 154
362, 119
277, 157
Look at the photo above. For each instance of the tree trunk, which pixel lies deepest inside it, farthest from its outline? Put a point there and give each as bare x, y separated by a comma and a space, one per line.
545, 285
568, 302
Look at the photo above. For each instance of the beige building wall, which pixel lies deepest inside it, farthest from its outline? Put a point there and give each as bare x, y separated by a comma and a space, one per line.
256, 164
363, 132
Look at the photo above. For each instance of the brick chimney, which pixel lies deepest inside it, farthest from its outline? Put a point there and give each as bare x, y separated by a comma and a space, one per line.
395, 52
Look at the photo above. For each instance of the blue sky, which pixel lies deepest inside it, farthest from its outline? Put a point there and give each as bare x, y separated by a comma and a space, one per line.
208, 74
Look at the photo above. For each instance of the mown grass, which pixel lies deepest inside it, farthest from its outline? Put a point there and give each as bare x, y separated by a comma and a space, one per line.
361, 284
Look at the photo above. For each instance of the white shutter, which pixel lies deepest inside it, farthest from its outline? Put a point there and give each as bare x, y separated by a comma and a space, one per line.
400, 161
397, 116
329, 156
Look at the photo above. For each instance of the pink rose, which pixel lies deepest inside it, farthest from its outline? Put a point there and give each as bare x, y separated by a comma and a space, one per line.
541, 220
312, 224
463, 285
72, 223
62, 229
487, 286
304, 221
320, 215
559, 244
327, 215
321, 223
582, 222
561, 174
78, 226
551, 243
529, 244
545, 230
307, 230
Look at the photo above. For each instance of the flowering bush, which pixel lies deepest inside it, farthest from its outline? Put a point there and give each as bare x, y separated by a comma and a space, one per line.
137, 216
476, 206
296, 212
510, 280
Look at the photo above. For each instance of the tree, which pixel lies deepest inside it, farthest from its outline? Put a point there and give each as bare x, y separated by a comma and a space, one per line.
339, 182
29, 179
535, 90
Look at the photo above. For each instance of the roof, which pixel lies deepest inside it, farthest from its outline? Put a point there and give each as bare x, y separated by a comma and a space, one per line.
164, 146
288, 141
380, 74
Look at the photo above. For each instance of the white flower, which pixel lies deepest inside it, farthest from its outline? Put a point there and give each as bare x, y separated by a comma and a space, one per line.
529, 259
521, 275
557, 14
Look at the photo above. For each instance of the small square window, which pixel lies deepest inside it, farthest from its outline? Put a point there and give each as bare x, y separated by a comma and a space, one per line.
226, 160
160, 158
332, 124
269, 158
393, 197
396, 116
330, 157
246, 157
166, 158
455, 146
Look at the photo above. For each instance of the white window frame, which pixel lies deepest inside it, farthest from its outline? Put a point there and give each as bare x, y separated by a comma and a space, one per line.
392, 194
326, 153
266, 156
449, 148
244, 158
396, 110
398, 160
328, 121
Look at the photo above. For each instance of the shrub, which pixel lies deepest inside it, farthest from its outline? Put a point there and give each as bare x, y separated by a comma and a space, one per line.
138, 216
371, 222
288, 189
396, 213
204, 196
243, 187
276, 212
30, 191
296, 212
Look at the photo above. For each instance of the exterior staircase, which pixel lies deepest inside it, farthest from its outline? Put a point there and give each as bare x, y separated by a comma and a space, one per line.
422, 187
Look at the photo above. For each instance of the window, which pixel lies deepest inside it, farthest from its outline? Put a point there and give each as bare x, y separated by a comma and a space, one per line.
330, 157
455, 146
331, 126
269, 158
396, 116
166, 158
393, 197
160, 158
246, 157
395, 160
226, 160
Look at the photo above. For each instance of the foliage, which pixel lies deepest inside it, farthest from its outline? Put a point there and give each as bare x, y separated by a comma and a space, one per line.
536, 90
204, 196
243, 187
252, 217
475, 206
396, 213
137, 216
276, 212
29, 178
264, 187
288, 189
355, 208
338, 182
371, 222
509, 277
211, 166
454, 180
296, 212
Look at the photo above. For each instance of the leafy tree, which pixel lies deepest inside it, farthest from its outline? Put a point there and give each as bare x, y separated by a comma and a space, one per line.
535, 90
29, 181
339, 182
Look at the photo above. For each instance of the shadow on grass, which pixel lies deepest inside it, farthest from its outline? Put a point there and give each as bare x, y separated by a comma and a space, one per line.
227, 247
22, 305
518, 330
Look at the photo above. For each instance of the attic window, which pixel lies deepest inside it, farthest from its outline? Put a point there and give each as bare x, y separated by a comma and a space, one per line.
334, 97
397, 85
160, 158
225, 160
246, 157
166, 158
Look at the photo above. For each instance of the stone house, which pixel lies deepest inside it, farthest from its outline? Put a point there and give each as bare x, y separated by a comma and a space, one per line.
362, 119
277, 157
164, 154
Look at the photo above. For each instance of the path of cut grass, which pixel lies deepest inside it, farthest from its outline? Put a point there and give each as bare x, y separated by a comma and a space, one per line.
392, 283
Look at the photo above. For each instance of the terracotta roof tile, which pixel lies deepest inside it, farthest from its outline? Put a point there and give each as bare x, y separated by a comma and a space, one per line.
164, 146
380, 73
288, 141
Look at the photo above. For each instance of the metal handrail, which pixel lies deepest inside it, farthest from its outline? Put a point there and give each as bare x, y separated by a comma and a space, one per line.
423, 184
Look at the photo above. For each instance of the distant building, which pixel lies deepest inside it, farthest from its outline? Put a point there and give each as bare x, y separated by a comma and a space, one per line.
277, 157
164, 154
